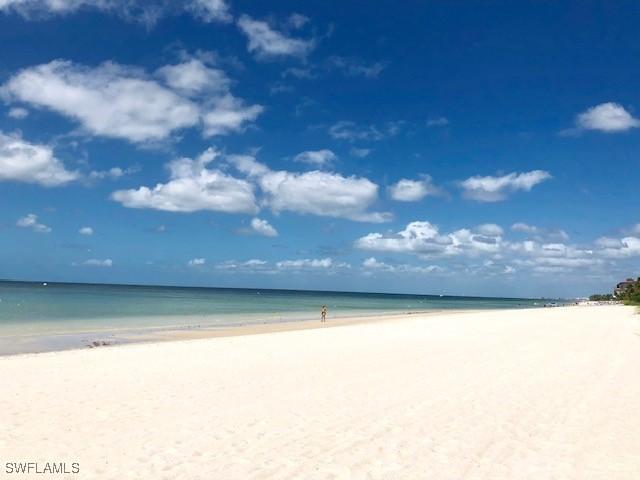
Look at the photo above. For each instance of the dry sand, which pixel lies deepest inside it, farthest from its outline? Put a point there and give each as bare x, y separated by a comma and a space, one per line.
528, 394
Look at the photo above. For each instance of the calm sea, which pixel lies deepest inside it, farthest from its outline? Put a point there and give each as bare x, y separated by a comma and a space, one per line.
38, 310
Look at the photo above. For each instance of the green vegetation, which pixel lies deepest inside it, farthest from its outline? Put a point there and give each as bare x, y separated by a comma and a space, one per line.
606, 297
631, 294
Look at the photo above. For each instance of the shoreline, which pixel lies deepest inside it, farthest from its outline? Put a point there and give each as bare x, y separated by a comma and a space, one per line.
524, 393
69, 341
35, 343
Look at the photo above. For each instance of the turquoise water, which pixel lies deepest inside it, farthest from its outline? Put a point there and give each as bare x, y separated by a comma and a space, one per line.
57, 308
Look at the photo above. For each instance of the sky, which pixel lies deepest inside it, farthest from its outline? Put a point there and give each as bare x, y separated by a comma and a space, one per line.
434, 147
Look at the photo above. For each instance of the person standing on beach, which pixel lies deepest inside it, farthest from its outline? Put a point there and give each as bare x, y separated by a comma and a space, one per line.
323, 313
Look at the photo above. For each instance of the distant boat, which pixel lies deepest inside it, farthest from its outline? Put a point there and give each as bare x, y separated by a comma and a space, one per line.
44, 284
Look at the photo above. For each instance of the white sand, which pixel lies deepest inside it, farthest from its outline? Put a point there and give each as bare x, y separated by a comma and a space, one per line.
536, 394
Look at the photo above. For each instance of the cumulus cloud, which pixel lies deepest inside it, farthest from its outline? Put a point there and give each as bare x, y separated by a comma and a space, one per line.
192, 187
417, 237
318, 193
607, 117
619, 247
147, 12
321, 193
31, 221
406, 190
229, 114
424, 239
495, 189
96, 262
196, 262
193, 77
316, 157
88, 231
118, 101
266, 42
350, 131
262, 227
21, 161
466, 247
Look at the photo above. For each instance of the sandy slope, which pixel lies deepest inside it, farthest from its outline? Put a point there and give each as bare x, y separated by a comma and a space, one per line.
535, 394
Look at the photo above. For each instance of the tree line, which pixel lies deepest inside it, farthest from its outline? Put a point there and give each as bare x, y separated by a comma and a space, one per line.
629, 296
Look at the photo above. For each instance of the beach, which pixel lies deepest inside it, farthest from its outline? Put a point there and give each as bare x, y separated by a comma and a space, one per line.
498, 394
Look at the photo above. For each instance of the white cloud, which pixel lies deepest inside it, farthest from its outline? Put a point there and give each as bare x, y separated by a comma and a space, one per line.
619, 248
117, 101
193, 77
297, 20
350, 131
317, 193
262, 227
31, 221
110, 100
501, 256
265, 42
354, 67
96, 262
540, 233
86, 231
406, 190
424, 239
21, 161
321, 193
196, 262
147, 12
417, 237
18, 113
316, 157
249, 266
607, 117
192, 187
113, 173
318, 263
438, 122
494, 189
209, 10
372, 264
524, 228
229, 114
489, 229
360, 152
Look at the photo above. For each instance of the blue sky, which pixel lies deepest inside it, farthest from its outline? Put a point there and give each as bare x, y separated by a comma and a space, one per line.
478, 148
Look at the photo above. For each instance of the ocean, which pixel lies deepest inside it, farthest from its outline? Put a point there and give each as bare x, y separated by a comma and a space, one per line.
50, 313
